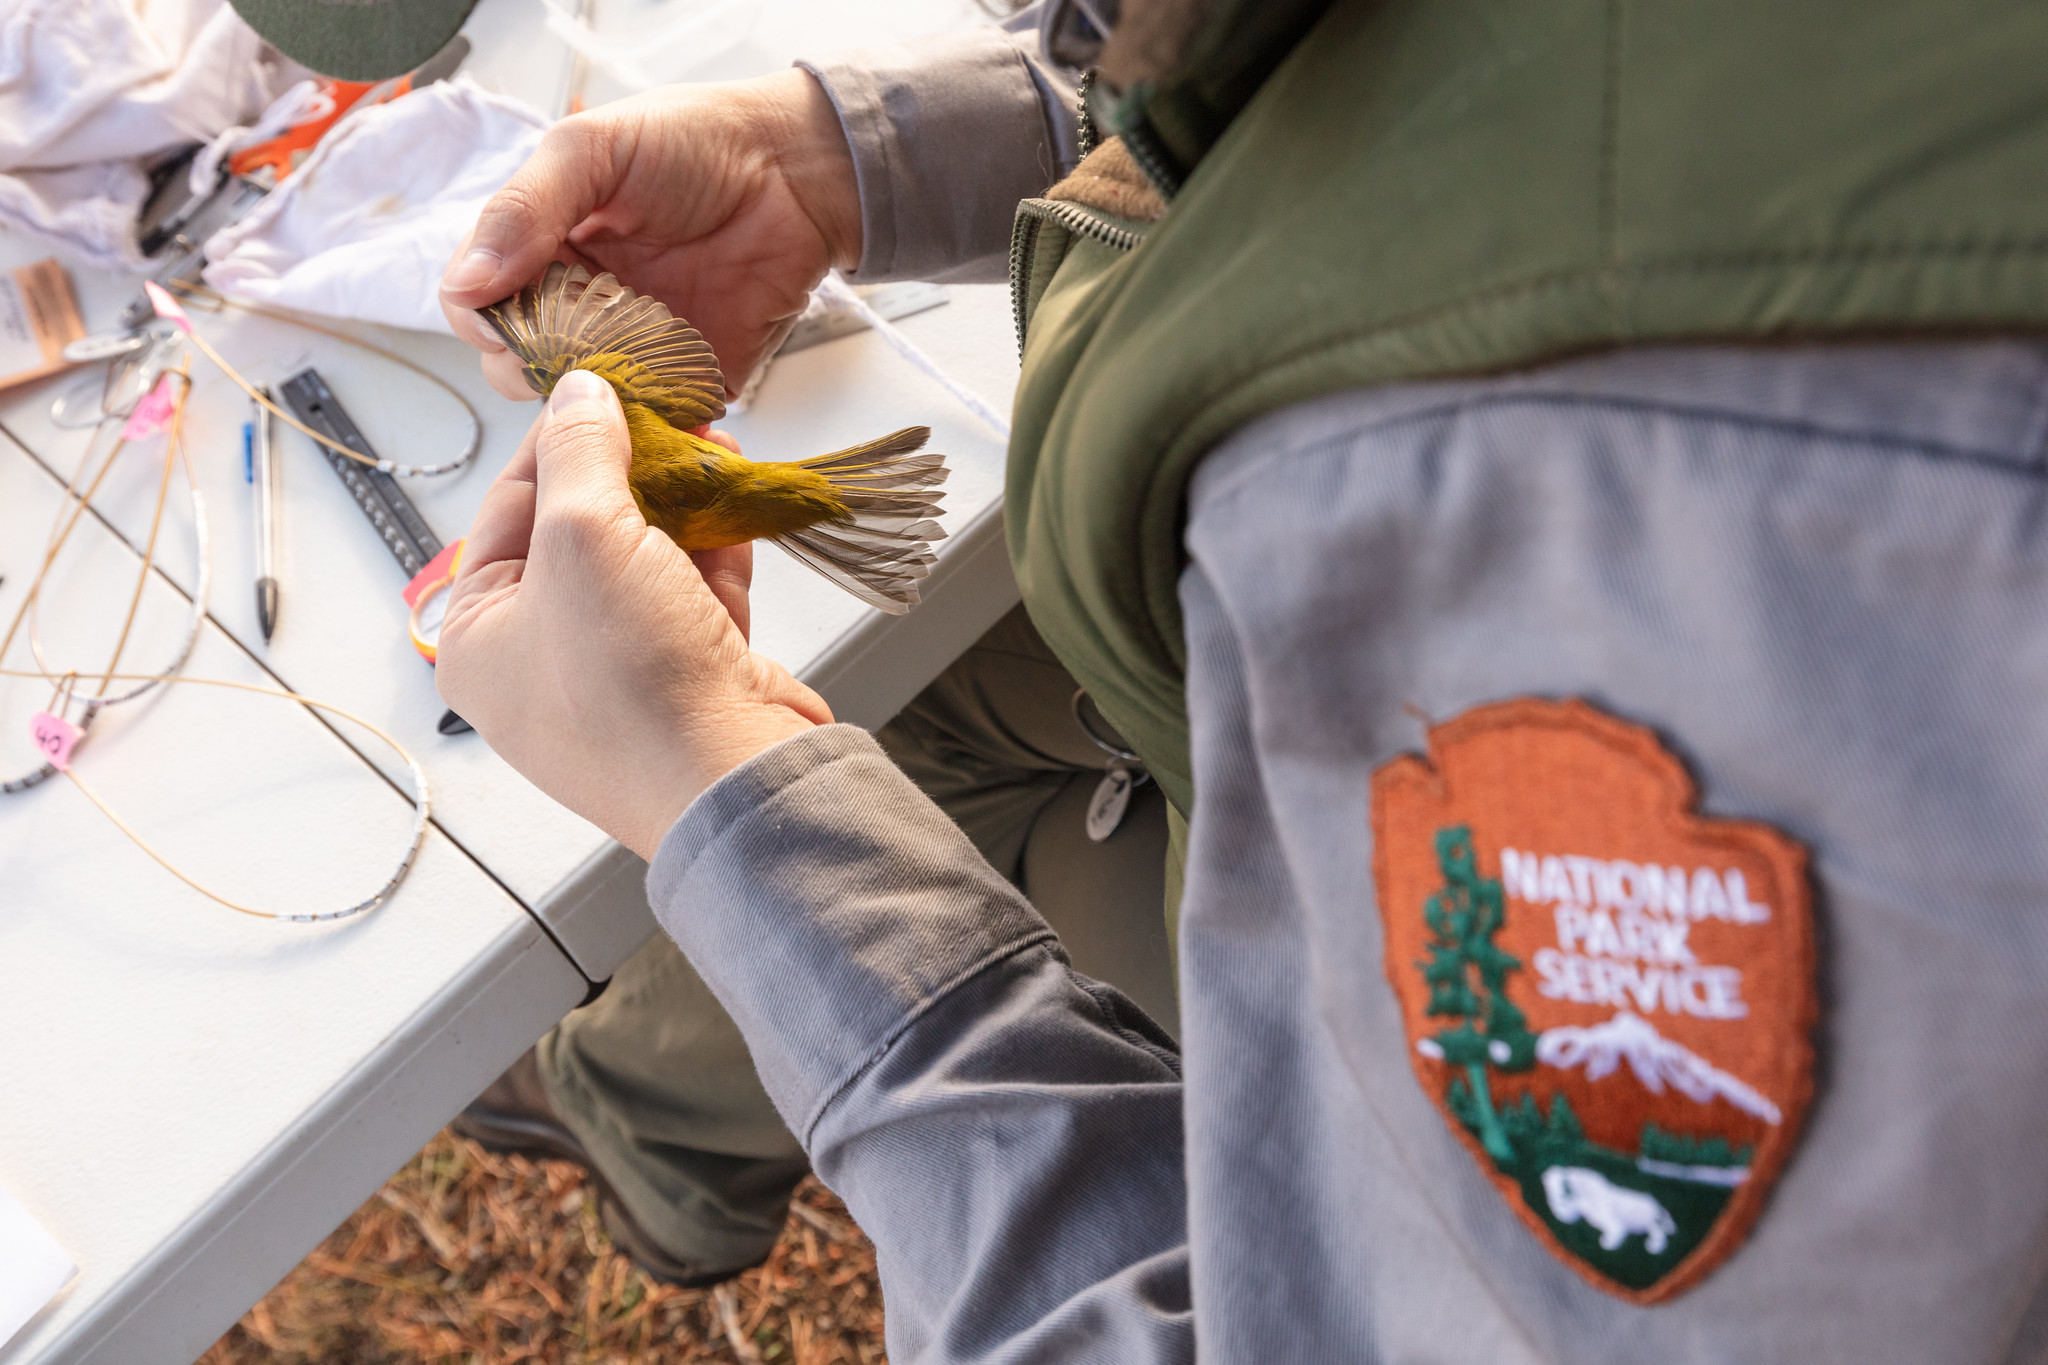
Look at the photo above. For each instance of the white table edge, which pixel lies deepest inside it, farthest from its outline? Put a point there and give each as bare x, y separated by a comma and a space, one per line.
176, 1303
970, 588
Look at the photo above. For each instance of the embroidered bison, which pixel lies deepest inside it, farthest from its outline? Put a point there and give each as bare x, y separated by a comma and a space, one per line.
1576, 1193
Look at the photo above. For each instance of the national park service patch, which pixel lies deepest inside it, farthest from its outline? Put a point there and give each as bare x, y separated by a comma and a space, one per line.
1608, 996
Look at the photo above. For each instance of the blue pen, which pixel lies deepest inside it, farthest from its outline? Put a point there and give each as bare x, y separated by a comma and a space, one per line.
259, 459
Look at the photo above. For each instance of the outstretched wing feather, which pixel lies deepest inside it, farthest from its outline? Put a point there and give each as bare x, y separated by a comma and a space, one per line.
878, 451
566, 318
881, 550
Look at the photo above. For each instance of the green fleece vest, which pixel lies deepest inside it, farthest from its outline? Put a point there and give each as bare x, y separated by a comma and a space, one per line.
1426, 188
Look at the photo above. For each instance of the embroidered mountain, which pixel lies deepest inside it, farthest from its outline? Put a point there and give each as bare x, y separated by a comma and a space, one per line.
1606, 995
1655, 1059
1633, 1222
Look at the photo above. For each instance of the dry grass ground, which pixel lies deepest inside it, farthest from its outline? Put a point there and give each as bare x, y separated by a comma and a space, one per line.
487, 1260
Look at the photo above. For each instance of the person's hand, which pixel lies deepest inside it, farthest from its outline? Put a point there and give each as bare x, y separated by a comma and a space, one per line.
725, 202
602, 662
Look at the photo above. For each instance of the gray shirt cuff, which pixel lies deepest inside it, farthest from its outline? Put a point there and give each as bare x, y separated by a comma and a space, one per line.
947, 135
828, 904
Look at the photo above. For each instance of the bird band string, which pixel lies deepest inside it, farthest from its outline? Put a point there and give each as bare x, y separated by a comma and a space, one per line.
61, 735
168, 309
75, 504
835, 287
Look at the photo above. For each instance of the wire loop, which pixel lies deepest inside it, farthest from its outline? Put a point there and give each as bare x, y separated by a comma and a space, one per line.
403, 471
65, 683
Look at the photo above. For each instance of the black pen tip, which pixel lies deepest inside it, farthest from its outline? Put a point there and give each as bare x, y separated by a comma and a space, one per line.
452, 724
266, 606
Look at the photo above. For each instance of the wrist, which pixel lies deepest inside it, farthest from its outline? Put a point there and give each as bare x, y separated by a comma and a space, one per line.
720, 748
814, 159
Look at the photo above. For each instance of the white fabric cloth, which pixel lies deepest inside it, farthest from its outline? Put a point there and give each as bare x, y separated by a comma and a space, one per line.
305, 102
32, 1267
366, 225
88, 88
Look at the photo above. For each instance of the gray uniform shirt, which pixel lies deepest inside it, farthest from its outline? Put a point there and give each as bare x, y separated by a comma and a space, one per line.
1819, 574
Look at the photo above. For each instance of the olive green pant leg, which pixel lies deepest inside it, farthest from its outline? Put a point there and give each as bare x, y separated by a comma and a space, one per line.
655, 1080
653, 1076
995, 743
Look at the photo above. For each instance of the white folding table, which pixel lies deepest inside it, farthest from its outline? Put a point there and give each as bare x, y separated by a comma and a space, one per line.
191, 1099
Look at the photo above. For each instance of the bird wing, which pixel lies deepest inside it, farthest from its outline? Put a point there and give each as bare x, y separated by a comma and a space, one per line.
566, 320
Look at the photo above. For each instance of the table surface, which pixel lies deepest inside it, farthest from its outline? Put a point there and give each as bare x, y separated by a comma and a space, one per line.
195, 1098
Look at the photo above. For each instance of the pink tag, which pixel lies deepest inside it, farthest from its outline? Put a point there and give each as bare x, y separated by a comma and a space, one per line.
56, 737
166, 306
152, 414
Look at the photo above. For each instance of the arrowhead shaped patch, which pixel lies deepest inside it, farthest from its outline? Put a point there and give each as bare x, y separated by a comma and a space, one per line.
1608, 996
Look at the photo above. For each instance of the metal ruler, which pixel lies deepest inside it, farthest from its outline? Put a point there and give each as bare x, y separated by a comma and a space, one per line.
404, 531
822, 321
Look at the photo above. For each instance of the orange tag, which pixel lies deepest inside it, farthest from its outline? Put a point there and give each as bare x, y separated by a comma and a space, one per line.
439, 570
426, 595
1608, 996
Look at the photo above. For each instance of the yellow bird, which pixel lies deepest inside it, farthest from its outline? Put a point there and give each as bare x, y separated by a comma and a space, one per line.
863, 517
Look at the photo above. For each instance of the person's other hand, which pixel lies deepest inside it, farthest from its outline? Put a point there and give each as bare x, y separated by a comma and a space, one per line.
602, 662
726, 202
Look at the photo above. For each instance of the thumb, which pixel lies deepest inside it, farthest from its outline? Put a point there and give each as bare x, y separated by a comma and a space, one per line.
523, 225
582, 504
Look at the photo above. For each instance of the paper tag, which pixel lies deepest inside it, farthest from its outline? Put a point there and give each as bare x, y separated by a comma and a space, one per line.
38, 319
1112, 798
152, 414
166, 306
56, 737
33, 1267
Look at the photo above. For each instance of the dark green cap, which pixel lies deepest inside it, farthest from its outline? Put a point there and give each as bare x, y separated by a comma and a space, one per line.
356, 40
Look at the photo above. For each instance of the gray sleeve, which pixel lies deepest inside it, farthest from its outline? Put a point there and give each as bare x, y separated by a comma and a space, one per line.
947, 135
1007, 1131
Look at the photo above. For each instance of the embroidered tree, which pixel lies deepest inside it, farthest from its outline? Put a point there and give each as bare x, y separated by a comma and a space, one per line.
1467, 978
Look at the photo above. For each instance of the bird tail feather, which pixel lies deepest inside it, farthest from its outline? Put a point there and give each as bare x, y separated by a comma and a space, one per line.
882, 549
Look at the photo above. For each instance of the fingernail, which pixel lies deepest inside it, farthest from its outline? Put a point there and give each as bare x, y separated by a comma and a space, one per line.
473, 271
481, 334
577, 386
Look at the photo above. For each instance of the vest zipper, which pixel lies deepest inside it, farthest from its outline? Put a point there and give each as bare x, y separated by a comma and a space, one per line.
1033, 215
